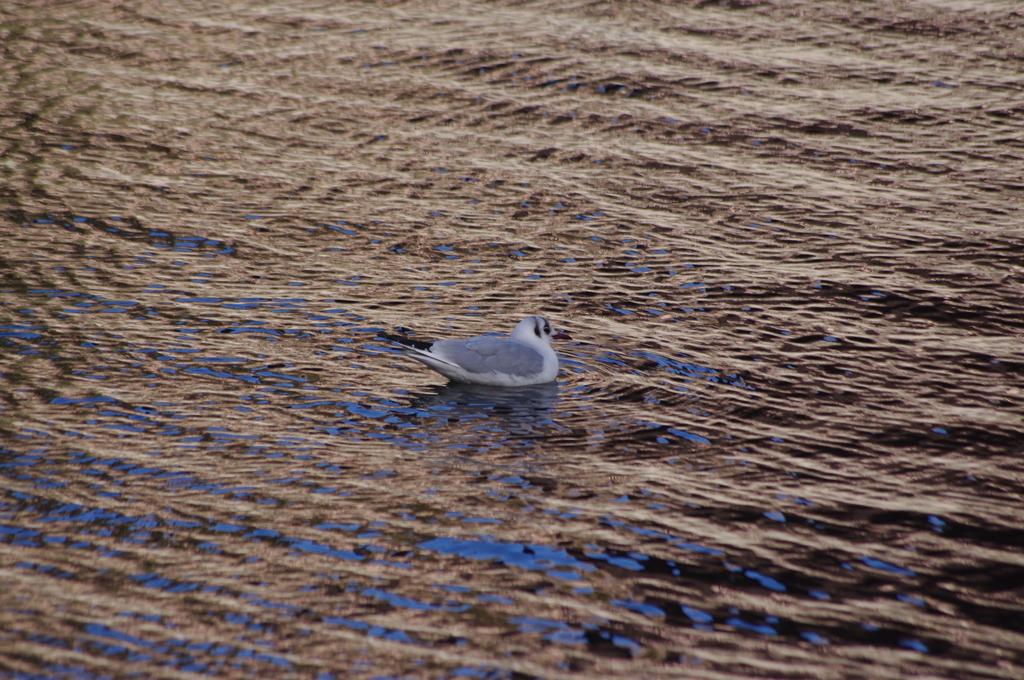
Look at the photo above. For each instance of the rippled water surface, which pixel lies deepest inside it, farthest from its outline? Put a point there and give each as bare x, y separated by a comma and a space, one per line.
785, 238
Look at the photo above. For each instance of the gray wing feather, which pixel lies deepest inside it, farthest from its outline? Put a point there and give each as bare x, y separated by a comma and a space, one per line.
483, 355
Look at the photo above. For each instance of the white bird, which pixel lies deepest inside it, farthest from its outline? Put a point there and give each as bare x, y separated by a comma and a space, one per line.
523, 358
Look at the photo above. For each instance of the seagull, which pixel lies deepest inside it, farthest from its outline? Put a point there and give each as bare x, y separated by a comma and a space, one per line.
523, 358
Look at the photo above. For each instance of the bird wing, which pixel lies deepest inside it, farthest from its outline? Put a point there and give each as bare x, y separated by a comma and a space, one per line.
487, 355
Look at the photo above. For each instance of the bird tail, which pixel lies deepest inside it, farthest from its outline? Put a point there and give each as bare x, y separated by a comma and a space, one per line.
407, 342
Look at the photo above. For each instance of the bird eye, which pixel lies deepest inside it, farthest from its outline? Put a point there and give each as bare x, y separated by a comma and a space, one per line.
547, 329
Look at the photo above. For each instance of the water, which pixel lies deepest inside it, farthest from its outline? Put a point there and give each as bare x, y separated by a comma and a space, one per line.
785, 441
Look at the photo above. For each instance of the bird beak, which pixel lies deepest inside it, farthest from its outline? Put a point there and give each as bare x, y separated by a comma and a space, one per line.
561, 336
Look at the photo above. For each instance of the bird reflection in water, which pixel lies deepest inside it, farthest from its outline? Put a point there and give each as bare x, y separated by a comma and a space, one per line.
520, 411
